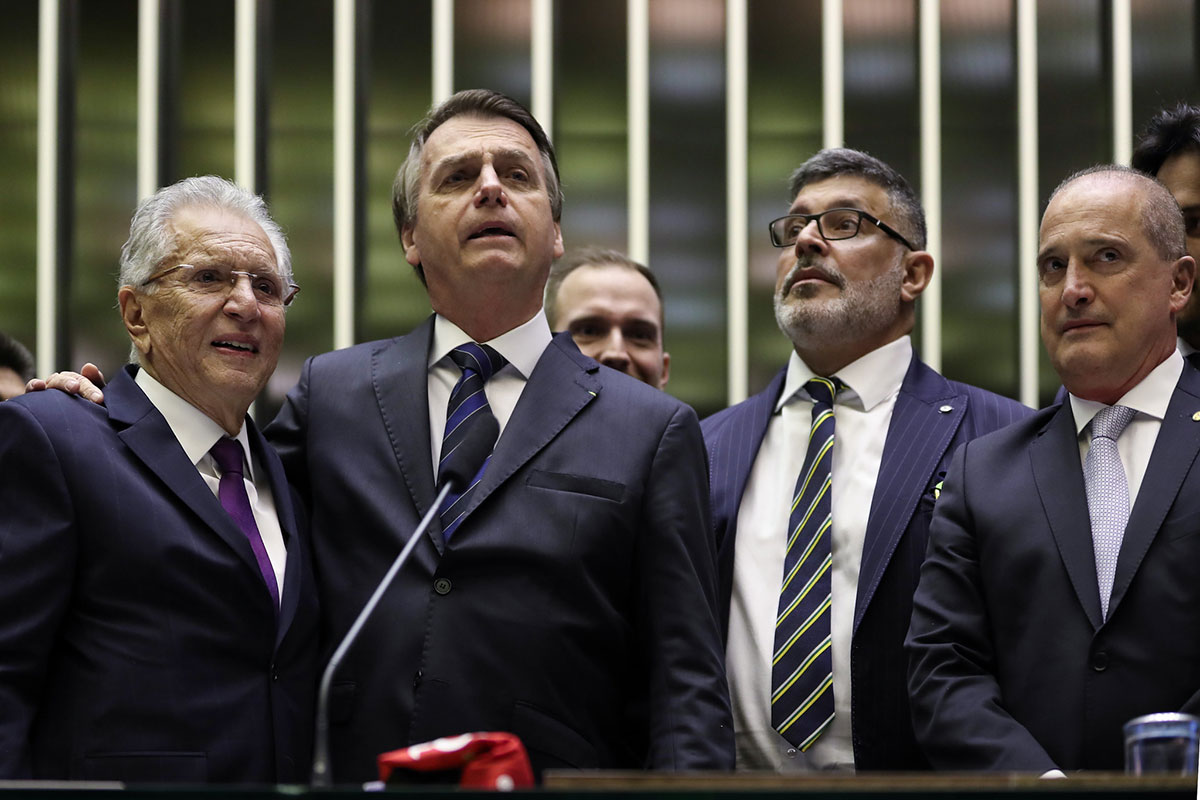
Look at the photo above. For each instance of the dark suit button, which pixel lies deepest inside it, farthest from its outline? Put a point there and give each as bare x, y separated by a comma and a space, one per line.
1100, 661
417, 678
274, 673
442, 586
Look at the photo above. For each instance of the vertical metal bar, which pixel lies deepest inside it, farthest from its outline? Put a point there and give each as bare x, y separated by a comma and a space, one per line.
443, 49
638, 91
245, 94
832, 73
47, 184
1122, 82
736, 202
343, 172
1027, 200
149, 37
541, 52
929, 20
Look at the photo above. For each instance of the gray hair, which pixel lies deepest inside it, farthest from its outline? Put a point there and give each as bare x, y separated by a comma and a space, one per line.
151, 239
478, 103
1162, 219
839, 162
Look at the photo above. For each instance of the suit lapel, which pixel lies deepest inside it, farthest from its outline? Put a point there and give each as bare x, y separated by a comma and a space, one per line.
737, 446
148, 437
400, 377
1058, 475
1175, 450
562, 384
927, 415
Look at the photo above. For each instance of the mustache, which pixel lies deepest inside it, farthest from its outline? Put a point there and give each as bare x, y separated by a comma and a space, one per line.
808, 264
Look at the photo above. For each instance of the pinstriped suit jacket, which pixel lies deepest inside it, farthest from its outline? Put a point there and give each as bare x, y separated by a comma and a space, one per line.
932, 417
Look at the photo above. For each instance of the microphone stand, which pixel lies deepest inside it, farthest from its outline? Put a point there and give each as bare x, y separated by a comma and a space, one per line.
321, 778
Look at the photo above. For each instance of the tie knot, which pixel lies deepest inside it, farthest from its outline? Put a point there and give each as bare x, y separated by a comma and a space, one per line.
1110, 421
823, 390
479, 358
228, 455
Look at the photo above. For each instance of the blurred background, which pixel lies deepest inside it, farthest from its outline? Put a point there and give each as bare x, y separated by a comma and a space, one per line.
751, 72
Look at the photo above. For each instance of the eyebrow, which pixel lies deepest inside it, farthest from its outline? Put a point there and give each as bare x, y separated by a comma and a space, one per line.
838, 202
1091, 241
459, 159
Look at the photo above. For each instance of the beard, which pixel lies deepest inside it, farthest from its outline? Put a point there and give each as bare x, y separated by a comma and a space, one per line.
863, 308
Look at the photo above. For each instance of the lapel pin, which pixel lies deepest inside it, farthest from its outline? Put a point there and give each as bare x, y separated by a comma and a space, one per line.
1196, 417
946, 409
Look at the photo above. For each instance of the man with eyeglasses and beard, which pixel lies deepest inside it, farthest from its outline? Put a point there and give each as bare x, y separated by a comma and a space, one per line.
820, 536
160, 615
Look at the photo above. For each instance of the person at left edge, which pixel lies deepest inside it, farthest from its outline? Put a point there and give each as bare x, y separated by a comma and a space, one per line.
574, 604
143, 638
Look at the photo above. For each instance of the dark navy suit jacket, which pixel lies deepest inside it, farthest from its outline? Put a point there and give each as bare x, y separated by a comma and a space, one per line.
1013, 667
932, 417
138, 641
576, 603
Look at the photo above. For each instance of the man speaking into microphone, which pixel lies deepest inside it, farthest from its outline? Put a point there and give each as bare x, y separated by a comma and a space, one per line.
568, 593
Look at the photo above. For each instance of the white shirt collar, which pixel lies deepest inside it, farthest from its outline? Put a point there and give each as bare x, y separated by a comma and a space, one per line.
522, 346
195, 430
870, 380
1150, 397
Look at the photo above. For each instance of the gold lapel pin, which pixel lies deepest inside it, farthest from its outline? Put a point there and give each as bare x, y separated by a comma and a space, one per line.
1196, 417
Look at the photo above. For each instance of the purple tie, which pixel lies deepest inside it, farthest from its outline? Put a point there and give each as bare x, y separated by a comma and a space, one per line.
232, 491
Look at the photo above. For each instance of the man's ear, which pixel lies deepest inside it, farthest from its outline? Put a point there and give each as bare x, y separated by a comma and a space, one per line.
1183, 275
666, 376
412, 253
133, 315
918, 272
558, 241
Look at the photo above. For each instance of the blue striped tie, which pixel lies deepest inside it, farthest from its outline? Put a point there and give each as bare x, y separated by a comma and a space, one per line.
478, 363
802, 665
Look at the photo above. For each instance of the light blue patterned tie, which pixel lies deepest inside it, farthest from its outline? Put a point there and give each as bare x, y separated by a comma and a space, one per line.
1107, 494
802, 664
478, 363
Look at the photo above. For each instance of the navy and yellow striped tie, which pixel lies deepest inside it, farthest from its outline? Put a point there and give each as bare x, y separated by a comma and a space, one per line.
478, 363
802, 665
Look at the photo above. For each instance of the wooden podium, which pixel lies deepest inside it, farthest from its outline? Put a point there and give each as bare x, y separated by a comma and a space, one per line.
834, 786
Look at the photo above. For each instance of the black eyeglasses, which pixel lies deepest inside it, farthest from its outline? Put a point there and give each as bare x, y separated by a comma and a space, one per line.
833, 225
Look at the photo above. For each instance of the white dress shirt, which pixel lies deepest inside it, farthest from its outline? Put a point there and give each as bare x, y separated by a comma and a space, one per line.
522, 346
197, 433
1149, 399
862, 412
